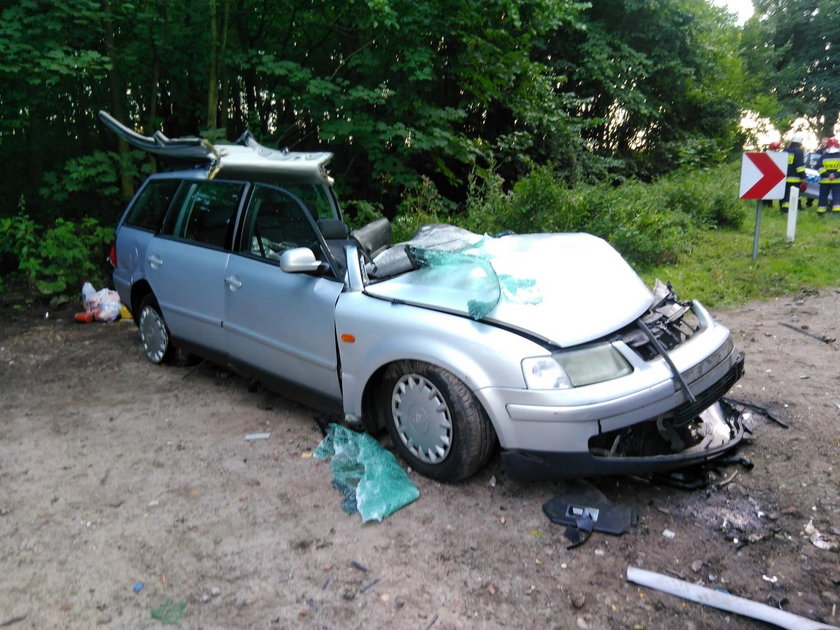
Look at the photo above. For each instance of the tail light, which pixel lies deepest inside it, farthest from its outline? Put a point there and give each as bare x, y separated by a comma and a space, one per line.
112, 256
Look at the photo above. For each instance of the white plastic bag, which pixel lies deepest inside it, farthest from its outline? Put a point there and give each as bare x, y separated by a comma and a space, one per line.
103, 304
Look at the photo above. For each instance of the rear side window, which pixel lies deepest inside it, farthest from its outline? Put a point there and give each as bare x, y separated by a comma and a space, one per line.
206, 213
151, 205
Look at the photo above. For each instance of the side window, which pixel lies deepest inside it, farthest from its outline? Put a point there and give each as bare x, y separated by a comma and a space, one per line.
315, 197
206, 213
275, 222
151, 205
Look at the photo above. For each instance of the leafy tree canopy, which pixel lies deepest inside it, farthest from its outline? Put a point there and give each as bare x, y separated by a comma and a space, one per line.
408, 94
794, 47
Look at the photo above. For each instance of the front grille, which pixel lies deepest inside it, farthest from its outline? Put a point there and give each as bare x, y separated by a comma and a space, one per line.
686, 412
671, 323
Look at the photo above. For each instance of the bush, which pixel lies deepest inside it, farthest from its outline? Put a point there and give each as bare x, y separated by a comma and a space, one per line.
421, 204
58, 259
648, 223
358, 213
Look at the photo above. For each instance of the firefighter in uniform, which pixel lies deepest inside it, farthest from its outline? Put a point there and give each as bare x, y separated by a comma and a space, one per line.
795, 169
829, 168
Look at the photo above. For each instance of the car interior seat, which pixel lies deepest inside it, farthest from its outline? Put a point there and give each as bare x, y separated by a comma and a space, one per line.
374, 237
336, 235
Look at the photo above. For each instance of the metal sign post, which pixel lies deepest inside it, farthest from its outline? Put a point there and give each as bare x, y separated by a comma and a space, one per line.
762, 177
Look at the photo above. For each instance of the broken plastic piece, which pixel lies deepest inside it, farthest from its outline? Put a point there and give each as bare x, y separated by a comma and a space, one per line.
606, 517
370, 477
723, 601
759, 410
584, 509
257, 436
819, 540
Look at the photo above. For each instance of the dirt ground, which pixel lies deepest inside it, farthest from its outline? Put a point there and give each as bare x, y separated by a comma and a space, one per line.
115, 472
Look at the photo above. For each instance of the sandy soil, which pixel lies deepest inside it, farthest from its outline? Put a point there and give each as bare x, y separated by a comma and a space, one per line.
115, 472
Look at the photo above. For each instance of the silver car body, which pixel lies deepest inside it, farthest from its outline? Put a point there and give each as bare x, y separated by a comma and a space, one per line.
324, 322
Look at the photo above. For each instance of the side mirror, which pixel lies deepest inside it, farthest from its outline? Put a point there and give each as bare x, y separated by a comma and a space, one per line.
300, 260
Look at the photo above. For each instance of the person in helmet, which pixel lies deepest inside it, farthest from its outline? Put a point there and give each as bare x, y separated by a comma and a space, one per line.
829, 168
795, 169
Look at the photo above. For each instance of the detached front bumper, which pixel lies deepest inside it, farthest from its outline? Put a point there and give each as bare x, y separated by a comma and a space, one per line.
641, 449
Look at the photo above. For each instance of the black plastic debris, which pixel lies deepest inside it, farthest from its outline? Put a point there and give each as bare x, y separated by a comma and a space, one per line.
701, 476
584, 509
745, 406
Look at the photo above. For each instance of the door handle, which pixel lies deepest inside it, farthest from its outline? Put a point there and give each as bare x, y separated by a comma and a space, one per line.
233, 282
154, 260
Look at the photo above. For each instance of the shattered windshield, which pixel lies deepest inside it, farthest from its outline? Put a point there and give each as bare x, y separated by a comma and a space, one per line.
451, 268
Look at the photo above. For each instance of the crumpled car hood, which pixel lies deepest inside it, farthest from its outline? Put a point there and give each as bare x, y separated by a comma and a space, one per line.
566, 289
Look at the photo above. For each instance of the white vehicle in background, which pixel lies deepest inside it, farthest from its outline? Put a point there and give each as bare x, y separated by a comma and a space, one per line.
812, 178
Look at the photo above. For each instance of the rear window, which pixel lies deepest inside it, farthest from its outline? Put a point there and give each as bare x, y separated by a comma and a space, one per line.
151, 205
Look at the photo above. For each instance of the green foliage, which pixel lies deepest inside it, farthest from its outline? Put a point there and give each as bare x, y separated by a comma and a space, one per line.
651, 74
421, 204
718, 269
792, 50
58, 259
648, 223
488, 206
358, 213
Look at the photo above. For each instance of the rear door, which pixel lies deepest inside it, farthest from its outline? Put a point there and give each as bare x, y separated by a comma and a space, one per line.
138, 227
281, 324
185, 265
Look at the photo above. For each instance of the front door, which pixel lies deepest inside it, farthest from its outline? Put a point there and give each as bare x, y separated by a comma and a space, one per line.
278, 323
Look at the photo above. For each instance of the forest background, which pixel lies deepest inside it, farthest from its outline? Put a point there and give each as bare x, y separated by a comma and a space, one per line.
616, 117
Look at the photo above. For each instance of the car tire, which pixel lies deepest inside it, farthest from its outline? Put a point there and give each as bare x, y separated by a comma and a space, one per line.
154, 334
437, 425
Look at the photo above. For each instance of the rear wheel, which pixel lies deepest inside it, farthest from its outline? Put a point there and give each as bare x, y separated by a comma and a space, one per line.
153, 332
435, 422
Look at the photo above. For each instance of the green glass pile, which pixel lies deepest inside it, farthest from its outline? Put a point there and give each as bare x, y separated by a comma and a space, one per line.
371, 479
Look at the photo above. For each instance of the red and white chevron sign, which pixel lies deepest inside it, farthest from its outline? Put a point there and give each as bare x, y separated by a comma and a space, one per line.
763, 175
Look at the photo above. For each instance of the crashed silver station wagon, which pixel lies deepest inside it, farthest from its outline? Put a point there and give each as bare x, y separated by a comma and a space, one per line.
548, 345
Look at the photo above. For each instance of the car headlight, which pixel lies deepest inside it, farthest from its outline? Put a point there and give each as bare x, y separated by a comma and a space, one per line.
575, 368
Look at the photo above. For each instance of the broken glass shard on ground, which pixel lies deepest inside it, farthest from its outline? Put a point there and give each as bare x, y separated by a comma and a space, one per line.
371, 479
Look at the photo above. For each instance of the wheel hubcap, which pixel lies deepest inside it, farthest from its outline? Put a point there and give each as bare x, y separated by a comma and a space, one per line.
422, 418
153, 334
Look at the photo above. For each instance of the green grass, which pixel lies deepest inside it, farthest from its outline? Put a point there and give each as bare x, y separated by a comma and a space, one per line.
717, 266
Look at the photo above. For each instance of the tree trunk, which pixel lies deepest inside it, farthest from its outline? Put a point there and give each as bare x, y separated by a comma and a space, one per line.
117, 107
218, 46
829, 122
213, 80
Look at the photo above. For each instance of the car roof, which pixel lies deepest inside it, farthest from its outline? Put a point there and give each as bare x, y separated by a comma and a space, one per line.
246, 159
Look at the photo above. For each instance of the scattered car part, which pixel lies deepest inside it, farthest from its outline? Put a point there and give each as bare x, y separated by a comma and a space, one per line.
823, 338
723, 601
757, 409
584, 511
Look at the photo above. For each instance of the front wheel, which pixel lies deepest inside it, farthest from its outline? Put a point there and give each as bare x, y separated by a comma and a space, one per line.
153, 332
435, 422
